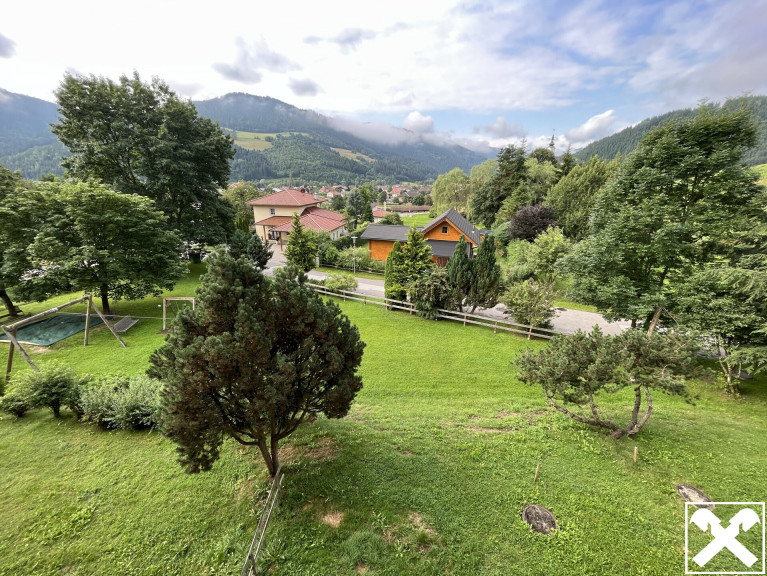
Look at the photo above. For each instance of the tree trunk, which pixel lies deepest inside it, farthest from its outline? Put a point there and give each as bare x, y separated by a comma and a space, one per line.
104, 290
654, 321
635, 426
267, 456
596, 421
8, 303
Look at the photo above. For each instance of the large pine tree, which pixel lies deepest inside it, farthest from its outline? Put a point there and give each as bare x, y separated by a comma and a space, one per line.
253, 361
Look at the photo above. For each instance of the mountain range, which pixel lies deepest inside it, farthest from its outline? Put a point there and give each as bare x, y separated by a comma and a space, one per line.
277, 142
274, 142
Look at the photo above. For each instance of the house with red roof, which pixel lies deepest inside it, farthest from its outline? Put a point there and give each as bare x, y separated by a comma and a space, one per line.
273, 215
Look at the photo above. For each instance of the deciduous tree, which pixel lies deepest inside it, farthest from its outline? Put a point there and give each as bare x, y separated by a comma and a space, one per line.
675, 205
253, 361
451, 190
572, 198
140, 138
530, 221
116, 245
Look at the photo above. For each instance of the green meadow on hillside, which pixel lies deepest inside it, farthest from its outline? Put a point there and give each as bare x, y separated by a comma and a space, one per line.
428, 474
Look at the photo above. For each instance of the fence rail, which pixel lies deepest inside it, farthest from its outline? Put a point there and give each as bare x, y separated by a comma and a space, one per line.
251, 560
452, 315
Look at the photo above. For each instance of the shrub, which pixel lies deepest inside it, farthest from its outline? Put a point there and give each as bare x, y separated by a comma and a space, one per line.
518, 256
53, 386
346, 259
329, 256
529, 303
337, 281
123, 403
18, 398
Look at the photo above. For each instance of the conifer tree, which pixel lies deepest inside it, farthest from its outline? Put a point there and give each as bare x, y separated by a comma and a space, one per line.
393, 284
254, 360
301, 250
252, 247
416, 256
486, 276
459, 272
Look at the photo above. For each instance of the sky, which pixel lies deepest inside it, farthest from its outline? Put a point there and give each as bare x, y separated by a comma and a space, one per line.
475, 73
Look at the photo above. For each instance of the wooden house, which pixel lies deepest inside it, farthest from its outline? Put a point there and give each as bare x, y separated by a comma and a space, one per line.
441, 234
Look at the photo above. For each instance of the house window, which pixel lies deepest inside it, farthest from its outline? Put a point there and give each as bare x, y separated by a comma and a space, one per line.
272, 212
444, 229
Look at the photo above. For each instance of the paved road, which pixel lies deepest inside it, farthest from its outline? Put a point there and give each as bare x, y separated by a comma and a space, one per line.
566, 321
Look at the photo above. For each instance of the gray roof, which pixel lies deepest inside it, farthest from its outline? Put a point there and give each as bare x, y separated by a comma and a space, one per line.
443, 248
467, 228
390, 232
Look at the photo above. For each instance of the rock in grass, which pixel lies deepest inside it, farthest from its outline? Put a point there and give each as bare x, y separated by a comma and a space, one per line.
539, 518
693, 495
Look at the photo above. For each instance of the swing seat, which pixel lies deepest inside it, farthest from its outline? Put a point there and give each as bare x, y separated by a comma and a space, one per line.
124, 324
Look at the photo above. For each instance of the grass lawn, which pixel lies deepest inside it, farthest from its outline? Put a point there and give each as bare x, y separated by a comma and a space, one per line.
417, 220
428, 474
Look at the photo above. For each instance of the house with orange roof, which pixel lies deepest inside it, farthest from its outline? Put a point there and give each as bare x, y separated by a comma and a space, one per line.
273, 215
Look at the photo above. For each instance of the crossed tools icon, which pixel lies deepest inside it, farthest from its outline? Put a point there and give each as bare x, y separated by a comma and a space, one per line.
724, 537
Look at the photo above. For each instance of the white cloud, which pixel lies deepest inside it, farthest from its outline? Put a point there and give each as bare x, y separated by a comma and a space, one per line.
251, 60
419, 123
500, 128
594, 128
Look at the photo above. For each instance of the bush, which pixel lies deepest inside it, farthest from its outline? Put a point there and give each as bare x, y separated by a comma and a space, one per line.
53, 386
337, 281
518, 254
19, 398
329, 256
346, 259
122, 403
529, 303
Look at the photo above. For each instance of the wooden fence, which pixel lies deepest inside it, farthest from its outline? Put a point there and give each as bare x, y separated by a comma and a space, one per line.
251, 560
451, 315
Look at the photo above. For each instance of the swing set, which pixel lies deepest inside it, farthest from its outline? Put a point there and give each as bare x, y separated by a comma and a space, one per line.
11, 330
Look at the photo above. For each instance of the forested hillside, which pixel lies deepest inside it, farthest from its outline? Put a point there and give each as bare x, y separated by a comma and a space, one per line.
307, 153
626, 140
26, 140
301, 148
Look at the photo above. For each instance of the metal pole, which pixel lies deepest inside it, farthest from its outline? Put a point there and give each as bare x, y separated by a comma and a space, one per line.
354, 255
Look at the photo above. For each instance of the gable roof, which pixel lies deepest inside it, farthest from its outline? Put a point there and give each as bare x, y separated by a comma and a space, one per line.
313, 221
324, 213
467, 228
287, 197
392, 233
273, 221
